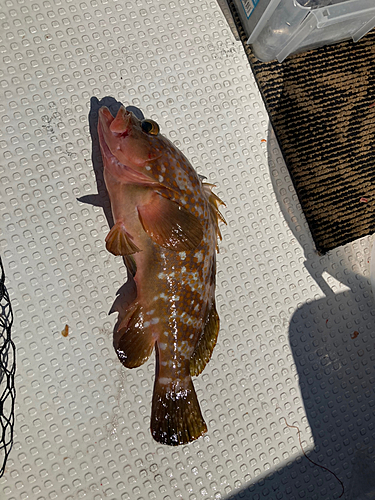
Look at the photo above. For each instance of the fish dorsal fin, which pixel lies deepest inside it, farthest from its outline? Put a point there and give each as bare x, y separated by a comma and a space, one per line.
214, 202
206, 343
118, 241
169, 224
133, 341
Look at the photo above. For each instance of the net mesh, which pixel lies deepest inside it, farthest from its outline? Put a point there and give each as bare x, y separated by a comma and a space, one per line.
7, 374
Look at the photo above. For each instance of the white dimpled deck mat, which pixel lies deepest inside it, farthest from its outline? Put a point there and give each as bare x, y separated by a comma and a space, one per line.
288, 395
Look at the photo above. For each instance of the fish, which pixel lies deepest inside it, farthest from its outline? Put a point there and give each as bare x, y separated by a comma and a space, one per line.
166, 227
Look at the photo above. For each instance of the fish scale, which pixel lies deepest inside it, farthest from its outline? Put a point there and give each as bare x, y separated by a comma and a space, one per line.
166, 227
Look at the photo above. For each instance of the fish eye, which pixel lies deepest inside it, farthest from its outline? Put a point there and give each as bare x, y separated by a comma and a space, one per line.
150, 127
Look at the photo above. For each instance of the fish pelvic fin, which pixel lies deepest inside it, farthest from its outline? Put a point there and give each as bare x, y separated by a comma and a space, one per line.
133, 341
118, 241
206, 343
170, 225
130, 264
176, 417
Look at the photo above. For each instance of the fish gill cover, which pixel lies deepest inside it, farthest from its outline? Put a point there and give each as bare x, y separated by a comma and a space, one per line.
7, 374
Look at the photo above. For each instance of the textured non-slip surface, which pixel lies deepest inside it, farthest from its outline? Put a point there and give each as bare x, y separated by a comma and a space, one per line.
296, 345
321, 104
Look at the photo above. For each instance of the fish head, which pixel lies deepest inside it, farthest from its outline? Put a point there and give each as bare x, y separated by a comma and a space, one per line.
131, 141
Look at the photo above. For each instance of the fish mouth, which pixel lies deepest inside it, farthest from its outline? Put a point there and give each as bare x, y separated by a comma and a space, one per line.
130, 174
123, 134
118, 126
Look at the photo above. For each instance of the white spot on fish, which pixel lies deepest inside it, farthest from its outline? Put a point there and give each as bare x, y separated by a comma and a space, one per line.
162, 168
161, 276
198, 256
161, 178
162, 346
146, 324
187, 319
183, 269
148, 167
182, 255
154, 321
165, 380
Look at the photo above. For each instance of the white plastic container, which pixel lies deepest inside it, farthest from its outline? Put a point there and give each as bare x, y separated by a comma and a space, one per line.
278, 28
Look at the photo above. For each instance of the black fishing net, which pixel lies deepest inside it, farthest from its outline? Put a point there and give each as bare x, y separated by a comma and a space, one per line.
7, 373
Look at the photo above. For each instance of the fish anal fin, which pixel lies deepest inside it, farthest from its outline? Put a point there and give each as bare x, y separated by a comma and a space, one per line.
133, 342
118, 241
176, 417
170, 225
206, 343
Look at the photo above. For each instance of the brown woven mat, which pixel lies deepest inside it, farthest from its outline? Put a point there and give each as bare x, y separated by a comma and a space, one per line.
322, 107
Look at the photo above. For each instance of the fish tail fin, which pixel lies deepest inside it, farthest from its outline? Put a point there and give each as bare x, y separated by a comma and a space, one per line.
176, 417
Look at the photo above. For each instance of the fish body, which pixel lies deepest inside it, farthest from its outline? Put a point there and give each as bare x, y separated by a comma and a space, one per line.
166, 227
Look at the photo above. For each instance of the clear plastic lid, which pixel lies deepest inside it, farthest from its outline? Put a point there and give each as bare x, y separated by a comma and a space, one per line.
317, 4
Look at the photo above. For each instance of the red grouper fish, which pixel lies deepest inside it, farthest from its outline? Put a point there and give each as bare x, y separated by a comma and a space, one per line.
166, 227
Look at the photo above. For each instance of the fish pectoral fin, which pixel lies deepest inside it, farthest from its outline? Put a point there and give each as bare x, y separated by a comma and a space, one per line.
133, 341
118, 241
176, 417
206, 343
170, 225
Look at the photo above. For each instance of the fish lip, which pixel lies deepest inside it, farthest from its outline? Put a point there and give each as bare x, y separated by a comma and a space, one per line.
106, 118
145, 178
134, 175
